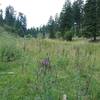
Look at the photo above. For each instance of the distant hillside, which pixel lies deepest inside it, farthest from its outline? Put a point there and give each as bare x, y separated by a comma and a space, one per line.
4, 31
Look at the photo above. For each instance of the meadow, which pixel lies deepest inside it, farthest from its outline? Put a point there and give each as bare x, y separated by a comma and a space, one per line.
73, 69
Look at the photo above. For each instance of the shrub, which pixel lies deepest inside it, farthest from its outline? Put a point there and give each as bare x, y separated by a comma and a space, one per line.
9, 53
28, 36
68, 35
58, 35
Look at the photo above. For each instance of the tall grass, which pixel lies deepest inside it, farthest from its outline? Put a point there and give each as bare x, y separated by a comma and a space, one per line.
72, 70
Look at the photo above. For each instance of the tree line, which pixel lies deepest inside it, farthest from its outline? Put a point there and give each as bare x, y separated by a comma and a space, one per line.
12, 22
77, 19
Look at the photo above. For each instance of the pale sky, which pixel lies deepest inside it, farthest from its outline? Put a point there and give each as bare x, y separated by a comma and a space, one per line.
36, 11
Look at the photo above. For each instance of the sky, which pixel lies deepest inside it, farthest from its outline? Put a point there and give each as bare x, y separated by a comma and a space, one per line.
36, 11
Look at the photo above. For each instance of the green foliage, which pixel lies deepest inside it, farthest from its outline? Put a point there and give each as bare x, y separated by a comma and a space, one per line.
1, 17
33, 32
91, 18
10, 29
58, 35
28, 36
78, 14
68, 35
83, 18
12, 23
21, 25
66, 17
98, 16
9, 52
51, 25
10, 16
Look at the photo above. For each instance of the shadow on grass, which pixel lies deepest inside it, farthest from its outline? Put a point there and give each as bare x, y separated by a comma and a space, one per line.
95, 41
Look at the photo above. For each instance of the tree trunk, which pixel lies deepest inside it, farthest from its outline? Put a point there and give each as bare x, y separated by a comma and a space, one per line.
94, 38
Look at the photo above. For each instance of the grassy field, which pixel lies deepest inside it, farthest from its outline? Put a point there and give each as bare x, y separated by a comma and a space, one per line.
73, 69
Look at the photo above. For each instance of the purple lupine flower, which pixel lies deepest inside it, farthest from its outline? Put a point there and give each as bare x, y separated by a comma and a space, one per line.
45, 62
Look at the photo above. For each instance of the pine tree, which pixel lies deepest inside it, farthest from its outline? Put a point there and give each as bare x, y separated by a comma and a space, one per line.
56, 20
98, 15
91, 18
43, 31
10, 16
32, 32
78, 15
1, 17
66, 18
21, 24
50, 26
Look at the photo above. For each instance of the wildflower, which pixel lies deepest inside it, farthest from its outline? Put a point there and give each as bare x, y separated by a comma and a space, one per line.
45, 62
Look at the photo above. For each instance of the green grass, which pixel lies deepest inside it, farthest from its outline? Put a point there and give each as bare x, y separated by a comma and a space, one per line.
75, 70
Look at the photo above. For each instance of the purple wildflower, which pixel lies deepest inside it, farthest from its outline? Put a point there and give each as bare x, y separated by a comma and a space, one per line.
45, 62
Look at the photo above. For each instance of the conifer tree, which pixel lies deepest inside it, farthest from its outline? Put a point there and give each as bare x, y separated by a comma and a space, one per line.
1, 17
21, 25
51, 26
66, 18
10, 16
78, 15
91, 18
98, 16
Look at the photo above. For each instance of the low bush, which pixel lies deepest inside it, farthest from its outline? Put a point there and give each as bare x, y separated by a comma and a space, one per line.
58, 35
9, 52
68, 35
